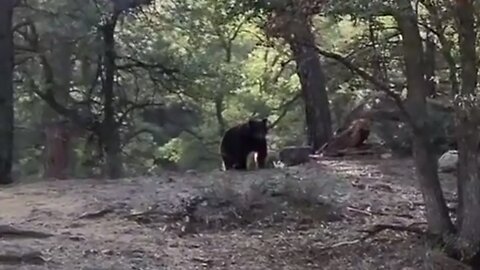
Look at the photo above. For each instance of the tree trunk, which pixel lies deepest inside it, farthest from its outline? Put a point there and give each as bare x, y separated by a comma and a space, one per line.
312, 80
426, 164
220, 97
57, 151
293, 24
219, 114
61, 65
110, 136
379, 71
468, 128
6, 91
446, 44
429, 61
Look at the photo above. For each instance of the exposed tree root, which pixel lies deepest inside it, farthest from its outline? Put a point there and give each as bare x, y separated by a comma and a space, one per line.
378, 228
34, 258
7, 231
375, 229
96, 214
340, 244
378, 213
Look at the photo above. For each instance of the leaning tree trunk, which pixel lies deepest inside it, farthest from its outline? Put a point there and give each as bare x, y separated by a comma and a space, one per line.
296, 30
110, 132
6, 90
468, 128
425, 162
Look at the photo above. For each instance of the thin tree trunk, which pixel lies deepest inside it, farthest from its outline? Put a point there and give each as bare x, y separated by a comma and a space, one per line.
110, 132
6, 91
429, 61
446, 45
219, 114
378, 67
426, 164
220, 97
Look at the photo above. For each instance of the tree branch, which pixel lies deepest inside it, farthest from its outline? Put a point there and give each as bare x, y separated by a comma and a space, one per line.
137, 63
284, 107
387, 89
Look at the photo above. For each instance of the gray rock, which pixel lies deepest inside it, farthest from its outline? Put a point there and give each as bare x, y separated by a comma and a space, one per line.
295, 155
448, 161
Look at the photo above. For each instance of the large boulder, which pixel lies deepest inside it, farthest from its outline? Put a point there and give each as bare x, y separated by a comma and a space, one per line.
295, 155
270, 163
448, 161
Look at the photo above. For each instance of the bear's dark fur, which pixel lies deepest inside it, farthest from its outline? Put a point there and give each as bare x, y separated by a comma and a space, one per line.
241, 140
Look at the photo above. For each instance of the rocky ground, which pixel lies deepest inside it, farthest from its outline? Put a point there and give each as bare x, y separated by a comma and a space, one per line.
330, 214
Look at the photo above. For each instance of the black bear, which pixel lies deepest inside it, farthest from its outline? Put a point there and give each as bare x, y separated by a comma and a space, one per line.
241, 140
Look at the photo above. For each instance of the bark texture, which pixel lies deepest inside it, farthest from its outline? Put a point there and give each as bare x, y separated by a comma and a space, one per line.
426, 163
110, 133
468, 128
6, 91
295, 28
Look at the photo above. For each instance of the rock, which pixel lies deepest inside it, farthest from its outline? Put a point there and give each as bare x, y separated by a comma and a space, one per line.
435, 260
270, 163
386, 156
448, 161
295, 155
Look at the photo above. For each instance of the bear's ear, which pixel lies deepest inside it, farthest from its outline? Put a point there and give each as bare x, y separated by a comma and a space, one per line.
265, 121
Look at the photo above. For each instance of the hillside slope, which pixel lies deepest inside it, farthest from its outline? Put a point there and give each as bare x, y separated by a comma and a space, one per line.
306, 217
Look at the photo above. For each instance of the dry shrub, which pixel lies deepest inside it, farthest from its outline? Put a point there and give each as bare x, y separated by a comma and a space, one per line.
324, 189
317, 198
228, 206
251, 200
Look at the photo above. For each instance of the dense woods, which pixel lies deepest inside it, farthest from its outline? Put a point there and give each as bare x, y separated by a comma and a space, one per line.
114, 89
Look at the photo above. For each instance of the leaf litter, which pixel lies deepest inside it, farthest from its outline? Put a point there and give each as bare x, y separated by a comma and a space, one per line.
327, 214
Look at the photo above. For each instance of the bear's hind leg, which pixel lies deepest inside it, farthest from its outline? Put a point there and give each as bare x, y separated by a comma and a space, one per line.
242, 163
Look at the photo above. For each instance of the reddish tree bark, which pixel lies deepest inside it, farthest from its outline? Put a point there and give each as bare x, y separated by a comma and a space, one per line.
57, 146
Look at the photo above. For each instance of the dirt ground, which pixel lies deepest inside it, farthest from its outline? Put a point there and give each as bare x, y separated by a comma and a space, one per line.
321, 215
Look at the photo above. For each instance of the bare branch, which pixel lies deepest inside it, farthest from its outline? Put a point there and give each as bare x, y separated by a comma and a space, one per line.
140, 64
136, 106
387, 89
284, 107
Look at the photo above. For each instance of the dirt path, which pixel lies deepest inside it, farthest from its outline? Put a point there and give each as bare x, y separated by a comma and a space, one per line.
270, 219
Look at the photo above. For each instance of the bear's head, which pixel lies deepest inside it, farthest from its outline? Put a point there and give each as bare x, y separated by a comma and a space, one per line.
258, 128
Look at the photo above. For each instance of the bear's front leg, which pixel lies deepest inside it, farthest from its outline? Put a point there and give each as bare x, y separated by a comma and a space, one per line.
262, 156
